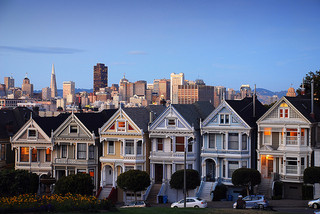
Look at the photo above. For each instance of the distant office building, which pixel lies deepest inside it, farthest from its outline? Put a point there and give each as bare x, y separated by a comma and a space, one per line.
156, 86
231, 94
53, 83
164, 89
27, 87
3, 90
219, 94
189, 94
140, 88
46, 93
61, 103
245, 91
69, 92
100, 77
175, 81
291, 92
126, 89
9, 82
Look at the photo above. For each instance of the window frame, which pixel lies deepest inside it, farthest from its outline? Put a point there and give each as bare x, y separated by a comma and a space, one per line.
160, 144
171, 122
180, 144
121, 125
82, 152
210, 136
72, 129
129, 148
109, 148
48, 155
31, 137
64, 151
237, 142
24, 157
224, 119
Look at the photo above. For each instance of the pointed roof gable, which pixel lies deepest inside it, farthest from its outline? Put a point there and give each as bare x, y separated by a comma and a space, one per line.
244, 108
192, 113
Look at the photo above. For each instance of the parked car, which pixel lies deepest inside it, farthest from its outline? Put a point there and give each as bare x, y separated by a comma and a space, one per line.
190, 202
255, 202
136, 204
315, 204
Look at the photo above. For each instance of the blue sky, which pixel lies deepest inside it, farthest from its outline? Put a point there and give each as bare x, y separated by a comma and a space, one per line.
272, 44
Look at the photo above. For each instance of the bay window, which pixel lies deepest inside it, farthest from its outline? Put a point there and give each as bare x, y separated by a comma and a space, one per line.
233, 141
212, 141
291, 165
129, 147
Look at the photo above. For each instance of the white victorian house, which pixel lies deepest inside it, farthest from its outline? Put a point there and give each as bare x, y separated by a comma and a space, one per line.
229, 137
287, 136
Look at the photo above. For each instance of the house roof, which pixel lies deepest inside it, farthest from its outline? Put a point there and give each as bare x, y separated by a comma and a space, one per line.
49, 124
141, 115
244, 109
13, 119
303, 105
192, 113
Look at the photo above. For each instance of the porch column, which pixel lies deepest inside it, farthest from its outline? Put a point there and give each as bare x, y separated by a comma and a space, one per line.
173, 139
203, 170
114, 176
218, 173
227, 139
284, 165
152, 171
30, 156
299, 165
284, 136
299, 136
134, 147
102, 175
87, 158
163, 172
240, 140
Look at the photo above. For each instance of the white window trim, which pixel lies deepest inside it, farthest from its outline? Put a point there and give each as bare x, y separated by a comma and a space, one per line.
32, 138
117, 125
284, 108
111, 153
224, 119
175, 122
73, 125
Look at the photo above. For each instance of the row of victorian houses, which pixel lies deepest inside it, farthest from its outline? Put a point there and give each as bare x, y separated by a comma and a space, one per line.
280, 142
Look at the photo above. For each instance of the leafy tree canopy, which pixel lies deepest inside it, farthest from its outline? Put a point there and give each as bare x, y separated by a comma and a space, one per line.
315, 76
75, 184
133, 180
311, 175
246, 177
193, 179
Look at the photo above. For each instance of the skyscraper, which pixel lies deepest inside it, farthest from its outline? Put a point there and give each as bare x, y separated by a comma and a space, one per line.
175, 80
9, 82
53, 84
69, 91
27, 87
100, 77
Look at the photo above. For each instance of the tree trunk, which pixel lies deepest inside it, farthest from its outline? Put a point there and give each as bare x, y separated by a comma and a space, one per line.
135, 196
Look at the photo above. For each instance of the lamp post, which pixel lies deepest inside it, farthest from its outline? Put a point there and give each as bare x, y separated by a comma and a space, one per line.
185, 173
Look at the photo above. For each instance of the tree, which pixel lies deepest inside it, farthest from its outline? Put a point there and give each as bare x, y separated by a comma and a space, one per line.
193, 179
311, 175
315, 76
134, 181
75, 184
246, 177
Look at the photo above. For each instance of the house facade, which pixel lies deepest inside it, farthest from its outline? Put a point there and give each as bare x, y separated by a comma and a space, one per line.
229, 137
125, 145
286, 138
177, 129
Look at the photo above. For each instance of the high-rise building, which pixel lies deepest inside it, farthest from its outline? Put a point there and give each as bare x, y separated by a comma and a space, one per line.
27, 88
245, 91
69, 92
53, 84
9, 82
100, 77
140, 87
46, 93
219, 94
164, 89
175, 80
231, 93
188, 94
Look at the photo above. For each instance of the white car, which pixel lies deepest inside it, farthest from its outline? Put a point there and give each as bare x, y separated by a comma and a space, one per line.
190, 202
315, 204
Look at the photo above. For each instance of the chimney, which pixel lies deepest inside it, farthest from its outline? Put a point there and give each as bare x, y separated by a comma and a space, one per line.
303, 92
312, 85
254, 101
151, 117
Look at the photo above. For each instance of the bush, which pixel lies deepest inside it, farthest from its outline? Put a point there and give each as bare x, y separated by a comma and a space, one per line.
15, 182
307, 192
277, 190
246, 177
177, 179
220, 192
311, 175
75, 184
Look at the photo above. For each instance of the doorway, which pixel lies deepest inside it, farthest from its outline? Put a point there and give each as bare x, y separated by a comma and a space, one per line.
158, 173
210, 170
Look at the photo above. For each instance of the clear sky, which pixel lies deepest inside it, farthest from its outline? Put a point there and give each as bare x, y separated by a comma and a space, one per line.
272, 43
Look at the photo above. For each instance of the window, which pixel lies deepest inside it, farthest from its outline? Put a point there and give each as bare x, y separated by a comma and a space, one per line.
73, 129
224, 119
139, 167
302, 136
112, 127
91, 152
81, 150
130, 127
302, 165
212, 141
129, 149
48, 155
64, 151
127, 168
244, 164
159, 144
110, 147
121, 126
3, 152
233, 141
32, 133
139, 148
34, 155
267, 136
232, 166
244, 142
179, 167
24, 154
179, 144
171, 122
291, 165
292, 137
284, 111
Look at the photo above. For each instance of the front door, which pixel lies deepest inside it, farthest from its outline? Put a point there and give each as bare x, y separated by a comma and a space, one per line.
270, 167
210, 170
158, 173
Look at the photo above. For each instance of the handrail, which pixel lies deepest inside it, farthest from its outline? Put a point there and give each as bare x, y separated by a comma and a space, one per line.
200, 189
113, 195
146, 194
98, 192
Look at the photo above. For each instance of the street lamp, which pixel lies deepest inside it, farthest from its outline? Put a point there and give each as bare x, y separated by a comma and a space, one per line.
190, 141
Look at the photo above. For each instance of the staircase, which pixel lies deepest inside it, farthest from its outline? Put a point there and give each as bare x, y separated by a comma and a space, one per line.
265, 187
206, 191
105, 192
152, 197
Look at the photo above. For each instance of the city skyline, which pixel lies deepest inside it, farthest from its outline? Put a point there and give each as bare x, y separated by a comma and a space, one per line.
271, 44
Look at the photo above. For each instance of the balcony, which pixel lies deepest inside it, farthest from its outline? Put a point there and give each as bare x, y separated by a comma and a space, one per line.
168, 155
34, 164
66, 161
